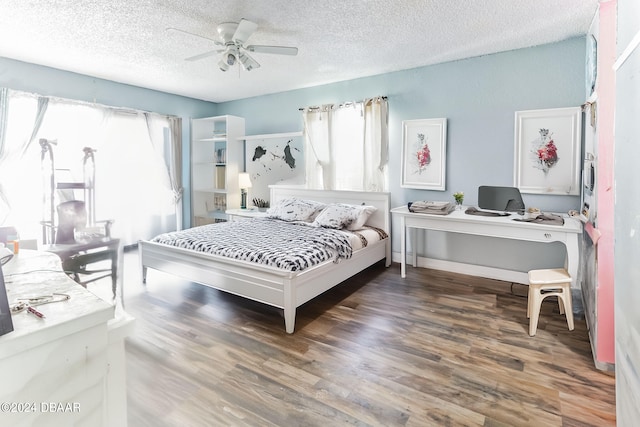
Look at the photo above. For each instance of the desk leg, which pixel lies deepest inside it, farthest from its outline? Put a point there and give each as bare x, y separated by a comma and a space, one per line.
403, 247
573, 258
413, 232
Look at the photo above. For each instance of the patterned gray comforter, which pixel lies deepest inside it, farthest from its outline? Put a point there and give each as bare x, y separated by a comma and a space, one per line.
271, 242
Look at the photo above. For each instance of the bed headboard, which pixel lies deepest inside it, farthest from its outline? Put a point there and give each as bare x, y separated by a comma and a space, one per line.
380, 217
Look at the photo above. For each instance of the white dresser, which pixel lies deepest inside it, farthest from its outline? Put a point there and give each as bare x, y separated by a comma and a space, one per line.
68, 368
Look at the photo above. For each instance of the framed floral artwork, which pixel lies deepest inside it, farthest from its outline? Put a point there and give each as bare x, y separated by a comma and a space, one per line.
547, 151
424, 154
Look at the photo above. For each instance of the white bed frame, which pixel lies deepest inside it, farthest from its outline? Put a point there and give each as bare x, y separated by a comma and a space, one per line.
279, 288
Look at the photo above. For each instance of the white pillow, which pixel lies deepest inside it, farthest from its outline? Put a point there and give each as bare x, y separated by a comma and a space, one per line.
340, 215
295, 209
364, 212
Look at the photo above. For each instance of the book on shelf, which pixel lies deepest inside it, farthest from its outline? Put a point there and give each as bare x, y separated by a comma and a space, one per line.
220, 183
218, 204
220, 132
221, 155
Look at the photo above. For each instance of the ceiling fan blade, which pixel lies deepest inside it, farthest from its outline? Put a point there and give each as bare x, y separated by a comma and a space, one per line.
244, 31
177, 30
277, 50
203, 55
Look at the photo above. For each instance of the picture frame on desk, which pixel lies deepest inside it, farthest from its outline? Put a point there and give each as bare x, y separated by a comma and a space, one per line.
547, 151
424, 154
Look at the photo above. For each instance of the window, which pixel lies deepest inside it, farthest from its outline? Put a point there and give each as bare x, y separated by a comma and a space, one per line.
132, 185
346, 146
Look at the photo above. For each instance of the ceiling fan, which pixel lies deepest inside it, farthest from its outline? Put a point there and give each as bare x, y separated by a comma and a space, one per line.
233, 36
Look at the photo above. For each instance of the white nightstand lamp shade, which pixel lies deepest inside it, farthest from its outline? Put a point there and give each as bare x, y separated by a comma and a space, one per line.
244, 182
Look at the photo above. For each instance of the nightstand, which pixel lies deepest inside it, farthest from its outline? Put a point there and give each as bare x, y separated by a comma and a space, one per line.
240, 214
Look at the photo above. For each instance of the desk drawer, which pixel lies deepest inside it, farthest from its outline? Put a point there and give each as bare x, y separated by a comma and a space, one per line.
540, 235
503, 230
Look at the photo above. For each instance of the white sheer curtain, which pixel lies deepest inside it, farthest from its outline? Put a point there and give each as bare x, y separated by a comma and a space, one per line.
318, 141
166, 137
346, 146
20, 177
133, 183
175, 166
4, 109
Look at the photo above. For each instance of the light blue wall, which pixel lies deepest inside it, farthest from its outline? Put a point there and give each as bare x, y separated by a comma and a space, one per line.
479, 97
47, 81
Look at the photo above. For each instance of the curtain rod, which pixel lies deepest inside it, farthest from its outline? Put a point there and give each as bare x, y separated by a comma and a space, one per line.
93, 103
317, 107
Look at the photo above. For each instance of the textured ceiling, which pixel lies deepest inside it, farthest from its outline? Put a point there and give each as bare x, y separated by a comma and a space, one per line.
127, 40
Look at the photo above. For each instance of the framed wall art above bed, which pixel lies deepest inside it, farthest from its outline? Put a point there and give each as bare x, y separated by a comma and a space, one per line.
273, 159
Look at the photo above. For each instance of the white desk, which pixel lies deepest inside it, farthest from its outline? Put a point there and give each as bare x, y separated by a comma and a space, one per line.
501, 227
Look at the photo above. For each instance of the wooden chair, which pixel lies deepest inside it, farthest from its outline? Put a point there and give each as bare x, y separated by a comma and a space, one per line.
80, 249
546, 283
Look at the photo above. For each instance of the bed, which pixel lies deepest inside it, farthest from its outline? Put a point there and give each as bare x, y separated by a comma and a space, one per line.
269, 284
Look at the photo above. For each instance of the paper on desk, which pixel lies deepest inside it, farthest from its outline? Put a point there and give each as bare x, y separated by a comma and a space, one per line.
431, 207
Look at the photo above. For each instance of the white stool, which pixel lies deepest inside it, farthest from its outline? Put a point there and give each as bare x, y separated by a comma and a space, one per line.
545, 283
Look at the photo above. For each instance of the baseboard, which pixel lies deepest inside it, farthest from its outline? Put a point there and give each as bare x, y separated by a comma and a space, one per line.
489, 273
602, 366
470, 269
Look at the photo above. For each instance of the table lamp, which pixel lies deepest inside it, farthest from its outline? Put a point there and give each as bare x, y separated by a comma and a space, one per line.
244, 182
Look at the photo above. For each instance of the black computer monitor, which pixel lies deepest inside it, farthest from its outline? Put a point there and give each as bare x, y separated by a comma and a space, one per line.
506, 199
6, 324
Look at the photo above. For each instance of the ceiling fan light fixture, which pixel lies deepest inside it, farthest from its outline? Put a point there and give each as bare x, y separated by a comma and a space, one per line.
230, 56
223, 65
248, 63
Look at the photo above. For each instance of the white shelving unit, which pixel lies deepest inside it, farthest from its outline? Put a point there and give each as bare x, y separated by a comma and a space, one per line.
217, 156
272, 135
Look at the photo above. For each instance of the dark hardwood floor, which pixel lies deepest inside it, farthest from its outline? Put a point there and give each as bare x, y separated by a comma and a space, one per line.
432, 349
